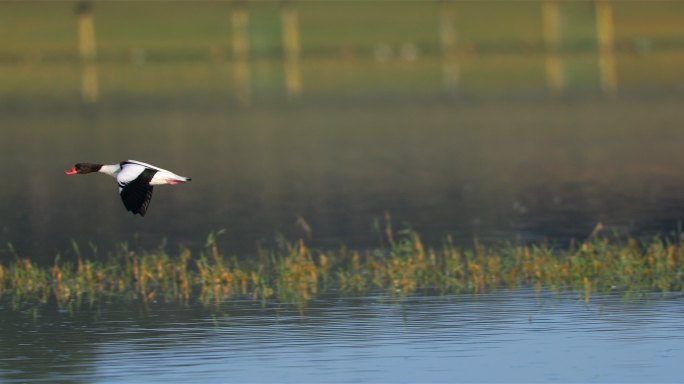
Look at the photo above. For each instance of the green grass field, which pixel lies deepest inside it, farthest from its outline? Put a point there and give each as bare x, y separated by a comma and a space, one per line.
180, 47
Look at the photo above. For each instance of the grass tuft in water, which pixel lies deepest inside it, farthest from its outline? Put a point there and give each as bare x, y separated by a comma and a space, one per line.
295, 273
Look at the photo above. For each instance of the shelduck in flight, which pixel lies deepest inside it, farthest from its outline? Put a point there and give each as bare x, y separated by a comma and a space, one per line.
135, 178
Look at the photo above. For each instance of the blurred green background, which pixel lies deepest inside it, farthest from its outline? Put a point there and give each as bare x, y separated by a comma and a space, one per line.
348, 48
378, 126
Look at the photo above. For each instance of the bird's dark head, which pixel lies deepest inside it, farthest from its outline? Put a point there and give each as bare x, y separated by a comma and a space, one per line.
83, 168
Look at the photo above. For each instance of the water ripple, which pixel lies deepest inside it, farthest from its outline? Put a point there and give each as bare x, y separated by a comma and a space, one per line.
505, 336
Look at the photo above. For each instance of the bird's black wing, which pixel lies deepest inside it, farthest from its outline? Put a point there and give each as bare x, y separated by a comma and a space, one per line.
137, 194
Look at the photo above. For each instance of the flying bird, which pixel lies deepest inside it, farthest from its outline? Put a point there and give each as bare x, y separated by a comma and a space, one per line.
135, 178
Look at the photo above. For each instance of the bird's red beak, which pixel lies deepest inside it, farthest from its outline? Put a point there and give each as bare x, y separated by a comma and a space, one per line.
72, 171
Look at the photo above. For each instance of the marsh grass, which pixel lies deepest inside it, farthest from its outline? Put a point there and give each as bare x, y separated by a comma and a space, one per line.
294, 273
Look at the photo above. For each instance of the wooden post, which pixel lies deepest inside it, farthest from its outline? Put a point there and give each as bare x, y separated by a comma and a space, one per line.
292, 49
606, 41
242, 75
551, 31
450, 65
87, 52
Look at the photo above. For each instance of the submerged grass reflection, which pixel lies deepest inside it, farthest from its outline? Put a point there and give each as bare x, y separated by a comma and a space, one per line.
295, 273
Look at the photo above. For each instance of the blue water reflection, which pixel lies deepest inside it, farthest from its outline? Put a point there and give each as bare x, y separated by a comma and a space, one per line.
498, 337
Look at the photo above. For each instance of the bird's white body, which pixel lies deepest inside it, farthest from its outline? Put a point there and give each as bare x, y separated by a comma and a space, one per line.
135, 178
129, 170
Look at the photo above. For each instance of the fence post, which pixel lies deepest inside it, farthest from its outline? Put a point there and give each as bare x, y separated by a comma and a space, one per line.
87, 52
551, 31
450, 65
242, 75
606, 40
292, 49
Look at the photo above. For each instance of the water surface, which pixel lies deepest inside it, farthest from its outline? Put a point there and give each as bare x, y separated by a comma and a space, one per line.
498, 337
529, 170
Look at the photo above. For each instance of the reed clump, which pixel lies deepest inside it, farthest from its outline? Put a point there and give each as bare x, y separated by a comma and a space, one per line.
296, 273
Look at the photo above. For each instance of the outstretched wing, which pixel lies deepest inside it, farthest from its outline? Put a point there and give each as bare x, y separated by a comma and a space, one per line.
136, 194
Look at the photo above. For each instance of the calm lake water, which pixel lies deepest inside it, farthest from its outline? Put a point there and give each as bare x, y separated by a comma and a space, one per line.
528, 170
499, 337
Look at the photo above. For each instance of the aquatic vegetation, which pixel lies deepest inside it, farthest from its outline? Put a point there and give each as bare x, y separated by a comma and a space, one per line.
295, 273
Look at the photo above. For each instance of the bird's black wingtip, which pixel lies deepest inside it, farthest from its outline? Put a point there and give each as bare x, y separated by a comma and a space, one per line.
137, 212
